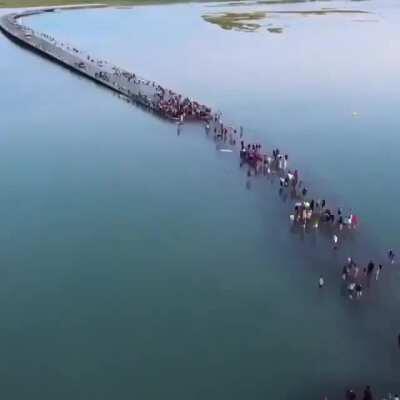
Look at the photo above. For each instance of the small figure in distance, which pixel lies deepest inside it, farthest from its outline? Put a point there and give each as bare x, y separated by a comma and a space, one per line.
321, 282
335, 242
350, 394
391, 256
368, 393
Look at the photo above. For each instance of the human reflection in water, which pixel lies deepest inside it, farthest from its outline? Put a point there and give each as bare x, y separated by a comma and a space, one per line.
207, 128
391, 256
248, 180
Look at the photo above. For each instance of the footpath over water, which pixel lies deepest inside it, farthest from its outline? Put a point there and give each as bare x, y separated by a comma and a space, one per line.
176, 107
147, 93
309, 213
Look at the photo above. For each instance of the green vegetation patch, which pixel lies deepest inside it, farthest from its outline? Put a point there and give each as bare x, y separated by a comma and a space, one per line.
245, 21
320, 12
271, 2
236, 21
275, 30
47, 3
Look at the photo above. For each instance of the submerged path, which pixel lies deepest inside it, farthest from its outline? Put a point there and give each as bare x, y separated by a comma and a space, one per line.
148, 94
308, 215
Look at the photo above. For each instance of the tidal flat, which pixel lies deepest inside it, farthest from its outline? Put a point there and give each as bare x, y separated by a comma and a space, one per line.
237, 21
245, 21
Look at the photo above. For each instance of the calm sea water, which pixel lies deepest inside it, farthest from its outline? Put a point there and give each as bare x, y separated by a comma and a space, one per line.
135, 263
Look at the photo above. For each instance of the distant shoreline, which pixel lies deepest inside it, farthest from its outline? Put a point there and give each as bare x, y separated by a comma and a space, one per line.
72, 3
128, 3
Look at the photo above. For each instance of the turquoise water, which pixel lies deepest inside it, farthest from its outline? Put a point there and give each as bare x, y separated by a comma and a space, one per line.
135, 263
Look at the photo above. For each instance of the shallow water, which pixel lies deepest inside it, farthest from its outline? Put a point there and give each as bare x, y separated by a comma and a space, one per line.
136, 262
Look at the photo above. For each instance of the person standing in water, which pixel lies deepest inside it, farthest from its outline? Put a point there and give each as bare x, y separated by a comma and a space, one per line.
378, 271
350, 394
368, 394
321, 282
370, 268
358, 289
345, 272
391, 255
335, 242
351, 289
355, 271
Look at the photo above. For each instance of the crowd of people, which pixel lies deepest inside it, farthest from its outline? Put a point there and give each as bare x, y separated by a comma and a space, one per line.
366, 394
355, 280
178, 107
307, 211
165, 102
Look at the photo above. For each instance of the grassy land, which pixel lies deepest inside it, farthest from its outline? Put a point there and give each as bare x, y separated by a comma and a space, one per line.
251, 21
46, 3
236, 21
36, 3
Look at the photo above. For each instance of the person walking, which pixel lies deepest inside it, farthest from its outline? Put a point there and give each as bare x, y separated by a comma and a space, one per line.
370, 268
321, 282
391, 255
378, 271
368, 393
335, 242
345, 272
358, 289
350, 394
